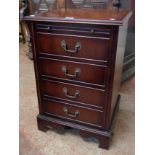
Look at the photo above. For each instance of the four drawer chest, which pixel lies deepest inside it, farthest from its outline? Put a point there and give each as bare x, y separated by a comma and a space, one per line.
78, 56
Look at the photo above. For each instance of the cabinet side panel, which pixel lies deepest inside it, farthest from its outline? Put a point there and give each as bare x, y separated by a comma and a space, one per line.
34, 50
118, 64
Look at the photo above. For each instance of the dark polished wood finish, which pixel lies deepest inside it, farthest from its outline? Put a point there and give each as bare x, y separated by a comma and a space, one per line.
74, 112
100, 44
78, 56
58, 87
106, 17
54, 68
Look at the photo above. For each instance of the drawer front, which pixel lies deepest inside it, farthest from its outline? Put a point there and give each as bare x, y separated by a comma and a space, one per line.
73, 71
74, 46
80, 94
76, 113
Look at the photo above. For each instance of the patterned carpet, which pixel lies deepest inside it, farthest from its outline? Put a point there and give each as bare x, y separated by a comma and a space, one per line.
35, 142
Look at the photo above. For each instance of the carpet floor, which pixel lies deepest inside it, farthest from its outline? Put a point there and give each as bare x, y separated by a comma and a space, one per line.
35, 142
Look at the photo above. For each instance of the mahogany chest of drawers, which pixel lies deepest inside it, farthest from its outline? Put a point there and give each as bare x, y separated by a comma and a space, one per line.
78, 61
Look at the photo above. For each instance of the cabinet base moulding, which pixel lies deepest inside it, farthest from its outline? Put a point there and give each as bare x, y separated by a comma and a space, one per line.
104, 136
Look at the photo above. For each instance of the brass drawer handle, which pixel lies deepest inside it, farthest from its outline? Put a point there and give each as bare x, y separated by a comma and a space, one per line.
65, 91
76, 72
77, 47
66, 111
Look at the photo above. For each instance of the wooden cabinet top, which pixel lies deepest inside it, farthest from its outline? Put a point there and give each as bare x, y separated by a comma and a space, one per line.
90, 16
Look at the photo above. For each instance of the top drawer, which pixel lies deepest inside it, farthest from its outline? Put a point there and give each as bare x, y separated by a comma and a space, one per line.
75, 46
79, 42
